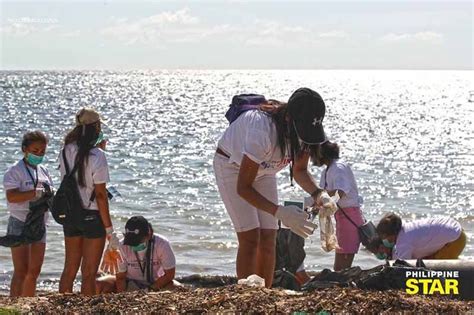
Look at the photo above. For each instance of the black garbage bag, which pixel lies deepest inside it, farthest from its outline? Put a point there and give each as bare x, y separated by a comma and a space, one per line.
34, 228
383, 277
285, 279
290, 254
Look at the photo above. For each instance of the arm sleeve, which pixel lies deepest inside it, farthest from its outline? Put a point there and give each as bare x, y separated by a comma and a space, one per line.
11, 180
100, 172
166, 255
257, 145
403, 252
341, 180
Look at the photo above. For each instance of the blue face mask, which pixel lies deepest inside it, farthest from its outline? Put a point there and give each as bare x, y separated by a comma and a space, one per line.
34, 159
381, 256
139, 247
100, 138
387, 243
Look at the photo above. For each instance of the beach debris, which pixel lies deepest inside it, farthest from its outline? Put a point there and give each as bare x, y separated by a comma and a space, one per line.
252, 281
241, 299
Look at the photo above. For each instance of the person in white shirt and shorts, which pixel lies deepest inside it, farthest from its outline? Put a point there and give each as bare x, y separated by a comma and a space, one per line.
251, 151
25, 181
85, 238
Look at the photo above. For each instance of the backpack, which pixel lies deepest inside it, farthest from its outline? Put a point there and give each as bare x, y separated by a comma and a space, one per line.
67, 202
242, 103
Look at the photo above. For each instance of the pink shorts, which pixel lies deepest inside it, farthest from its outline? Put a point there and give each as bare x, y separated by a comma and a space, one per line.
346, 233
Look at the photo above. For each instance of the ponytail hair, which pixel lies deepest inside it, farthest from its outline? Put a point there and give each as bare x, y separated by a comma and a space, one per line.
85, 137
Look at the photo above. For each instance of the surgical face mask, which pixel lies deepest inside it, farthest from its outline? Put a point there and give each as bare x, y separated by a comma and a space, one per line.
100, 138
34, 159
387, 243
139, 247
381, 256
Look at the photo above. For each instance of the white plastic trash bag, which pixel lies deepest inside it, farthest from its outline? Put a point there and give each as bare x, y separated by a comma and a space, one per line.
326, 226
252, 281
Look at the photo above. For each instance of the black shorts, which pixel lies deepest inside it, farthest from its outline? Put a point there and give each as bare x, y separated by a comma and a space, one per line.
91, 226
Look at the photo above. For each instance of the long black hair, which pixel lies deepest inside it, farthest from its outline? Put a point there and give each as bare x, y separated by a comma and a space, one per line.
288, 140
85, 136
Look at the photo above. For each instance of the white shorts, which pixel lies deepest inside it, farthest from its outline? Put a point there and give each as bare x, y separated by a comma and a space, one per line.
244, 216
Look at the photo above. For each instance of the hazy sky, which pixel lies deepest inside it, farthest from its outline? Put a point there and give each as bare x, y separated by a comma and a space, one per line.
236, 34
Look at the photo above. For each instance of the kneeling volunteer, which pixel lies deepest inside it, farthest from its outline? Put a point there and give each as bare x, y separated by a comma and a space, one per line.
431, 238
148, 261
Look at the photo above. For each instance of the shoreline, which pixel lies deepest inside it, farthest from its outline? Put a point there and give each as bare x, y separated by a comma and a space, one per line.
237, 298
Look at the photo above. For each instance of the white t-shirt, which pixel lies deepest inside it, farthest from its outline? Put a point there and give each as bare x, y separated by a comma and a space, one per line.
339, 176
17, 177
422, 238
254, 134
96, 172
162, 258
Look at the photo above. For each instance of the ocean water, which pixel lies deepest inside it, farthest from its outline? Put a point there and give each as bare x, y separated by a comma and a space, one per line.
408, 135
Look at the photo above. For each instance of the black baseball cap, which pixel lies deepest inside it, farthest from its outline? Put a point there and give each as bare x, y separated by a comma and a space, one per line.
306, 108
136, 229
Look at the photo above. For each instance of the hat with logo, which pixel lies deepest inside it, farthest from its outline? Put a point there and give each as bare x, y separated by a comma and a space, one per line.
136, 229
306, 109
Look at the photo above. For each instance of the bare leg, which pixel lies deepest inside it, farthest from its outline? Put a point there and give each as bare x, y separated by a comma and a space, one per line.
20, 257
71, 263
35, 263
92, 249
266, 256
343, 261
247, 253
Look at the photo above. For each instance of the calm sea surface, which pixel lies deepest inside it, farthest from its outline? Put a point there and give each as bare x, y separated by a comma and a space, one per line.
409, 136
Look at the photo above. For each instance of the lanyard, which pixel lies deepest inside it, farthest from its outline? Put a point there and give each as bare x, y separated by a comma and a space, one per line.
142, 268
35, 183
147, 274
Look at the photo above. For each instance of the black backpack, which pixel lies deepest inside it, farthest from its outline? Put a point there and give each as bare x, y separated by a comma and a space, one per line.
67, 203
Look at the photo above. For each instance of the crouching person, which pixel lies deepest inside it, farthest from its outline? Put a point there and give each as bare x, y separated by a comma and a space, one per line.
148, 261
431, 238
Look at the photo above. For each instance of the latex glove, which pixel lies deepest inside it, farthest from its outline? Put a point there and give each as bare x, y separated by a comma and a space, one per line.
112, 257
309, 202
329, 202
111, 261
296, 219
113, 241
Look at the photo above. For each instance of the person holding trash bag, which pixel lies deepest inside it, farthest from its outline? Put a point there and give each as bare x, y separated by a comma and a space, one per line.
255, 146
87, 228
28, 188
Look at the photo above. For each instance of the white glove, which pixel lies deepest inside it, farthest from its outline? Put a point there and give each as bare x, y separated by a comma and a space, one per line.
309, 202
328, 201
296, 219
112, 238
